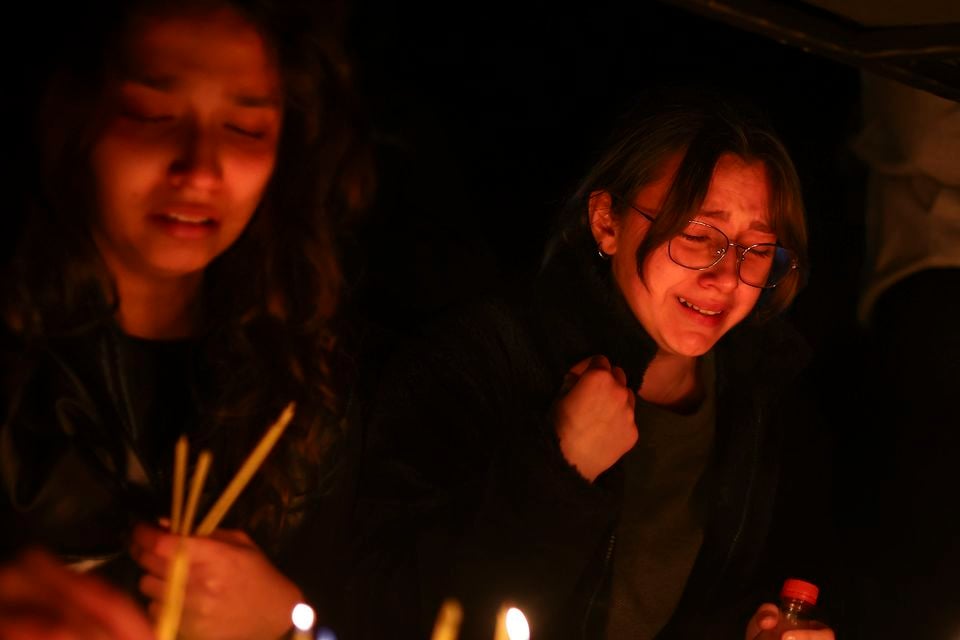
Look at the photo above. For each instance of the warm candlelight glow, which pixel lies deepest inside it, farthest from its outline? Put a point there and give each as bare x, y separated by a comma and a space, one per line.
517, 627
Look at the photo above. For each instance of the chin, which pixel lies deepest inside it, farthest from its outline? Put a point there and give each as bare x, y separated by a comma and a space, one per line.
692, 346
180, 265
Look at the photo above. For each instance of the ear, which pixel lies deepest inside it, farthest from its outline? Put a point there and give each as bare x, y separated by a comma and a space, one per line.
603, 222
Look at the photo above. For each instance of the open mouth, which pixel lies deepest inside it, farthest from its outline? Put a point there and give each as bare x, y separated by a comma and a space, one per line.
690, 305
186, 218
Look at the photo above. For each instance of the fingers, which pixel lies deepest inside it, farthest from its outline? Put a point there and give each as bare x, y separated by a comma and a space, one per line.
115, 615
809, 634
152, 587
594, 363
150, 562
578, 369
71, 605
16, 585
154, 548
619, 375
765, 617
600, 362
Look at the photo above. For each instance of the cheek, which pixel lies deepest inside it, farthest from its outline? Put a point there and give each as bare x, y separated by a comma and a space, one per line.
249, 175
122, 169
117, 178
746, 300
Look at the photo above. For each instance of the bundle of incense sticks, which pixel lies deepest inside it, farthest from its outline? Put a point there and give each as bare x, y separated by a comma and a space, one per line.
182, 515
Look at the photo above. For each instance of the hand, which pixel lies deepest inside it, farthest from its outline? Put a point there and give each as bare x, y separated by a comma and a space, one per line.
41, 599
768, 615
594, 418
233, 591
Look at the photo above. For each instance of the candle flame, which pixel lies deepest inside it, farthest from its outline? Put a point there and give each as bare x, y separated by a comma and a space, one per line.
517, 627
303, 617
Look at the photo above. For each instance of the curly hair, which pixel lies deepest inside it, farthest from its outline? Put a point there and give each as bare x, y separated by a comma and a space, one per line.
269, 301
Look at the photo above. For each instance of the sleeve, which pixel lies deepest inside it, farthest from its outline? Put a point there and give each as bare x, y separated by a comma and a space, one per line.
56, 488
464, 493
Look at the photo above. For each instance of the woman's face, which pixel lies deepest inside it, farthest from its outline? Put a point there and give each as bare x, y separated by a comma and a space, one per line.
190, 145
687, 311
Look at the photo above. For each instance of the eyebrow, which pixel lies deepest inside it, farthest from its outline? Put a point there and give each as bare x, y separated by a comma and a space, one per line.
755, 225
167, 83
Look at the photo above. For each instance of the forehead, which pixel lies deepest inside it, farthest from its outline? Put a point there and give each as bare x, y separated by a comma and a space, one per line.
739, 189
217, 46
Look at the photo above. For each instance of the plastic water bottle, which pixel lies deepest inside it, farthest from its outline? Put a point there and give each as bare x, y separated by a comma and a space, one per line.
798, 604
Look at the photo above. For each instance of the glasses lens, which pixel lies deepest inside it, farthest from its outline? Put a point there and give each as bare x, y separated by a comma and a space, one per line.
765, 265
700, 246
697, 246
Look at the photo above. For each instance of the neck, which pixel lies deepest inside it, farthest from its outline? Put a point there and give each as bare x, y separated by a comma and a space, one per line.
158, 308
673, 382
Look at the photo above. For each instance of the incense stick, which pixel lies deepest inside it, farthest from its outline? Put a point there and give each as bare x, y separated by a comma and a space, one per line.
168, 621
179, 478
196, 485
245, 473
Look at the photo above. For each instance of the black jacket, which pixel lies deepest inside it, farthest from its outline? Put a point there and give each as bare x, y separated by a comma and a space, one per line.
75, 456
464, 492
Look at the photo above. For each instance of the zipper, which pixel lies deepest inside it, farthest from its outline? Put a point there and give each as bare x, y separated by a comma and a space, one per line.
611, 543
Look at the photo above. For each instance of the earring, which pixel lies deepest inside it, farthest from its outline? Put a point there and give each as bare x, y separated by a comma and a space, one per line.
603, 256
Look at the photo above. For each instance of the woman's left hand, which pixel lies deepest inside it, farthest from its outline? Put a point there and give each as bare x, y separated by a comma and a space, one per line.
233, 591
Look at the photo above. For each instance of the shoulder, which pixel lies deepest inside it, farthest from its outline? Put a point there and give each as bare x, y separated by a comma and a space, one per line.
52, 376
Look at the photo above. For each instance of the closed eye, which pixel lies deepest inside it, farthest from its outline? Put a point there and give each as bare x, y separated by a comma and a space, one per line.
249, 133
146, 118
763, 251
694, 238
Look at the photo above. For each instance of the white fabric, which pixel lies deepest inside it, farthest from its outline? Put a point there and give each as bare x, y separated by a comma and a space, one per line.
911, 142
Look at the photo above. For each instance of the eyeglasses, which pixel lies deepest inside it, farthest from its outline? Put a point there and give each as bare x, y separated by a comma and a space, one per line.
700, 246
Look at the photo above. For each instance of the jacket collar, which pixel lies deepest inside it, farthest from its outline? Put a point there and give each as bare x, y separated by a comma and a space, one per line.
580, 312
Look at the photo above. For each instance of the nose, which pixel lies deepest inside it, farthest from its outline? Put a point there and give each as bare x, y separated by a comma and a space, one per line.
725, 274
197, 161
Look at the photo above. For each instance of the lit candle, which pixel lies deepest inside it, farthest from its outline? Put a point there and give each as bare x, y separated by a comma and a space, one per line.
511, 625
303, 619
517, 627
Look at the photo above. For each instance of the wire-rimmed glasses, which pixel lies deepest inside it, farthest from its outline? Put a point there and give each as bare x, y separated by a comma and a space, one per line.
700, 246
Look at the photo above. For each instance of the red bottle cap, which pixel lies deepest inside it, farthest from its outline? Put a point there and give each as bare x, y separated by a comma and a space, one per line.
800, 590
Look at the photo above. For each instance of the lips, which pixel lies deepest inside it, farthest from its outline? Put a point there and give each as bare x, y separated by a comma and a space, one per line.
176, 216
186, 220
707, 311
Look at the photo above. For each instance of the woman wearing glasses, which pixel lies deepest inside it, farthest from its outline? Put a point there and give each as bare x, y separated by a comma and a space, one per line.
602, 448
